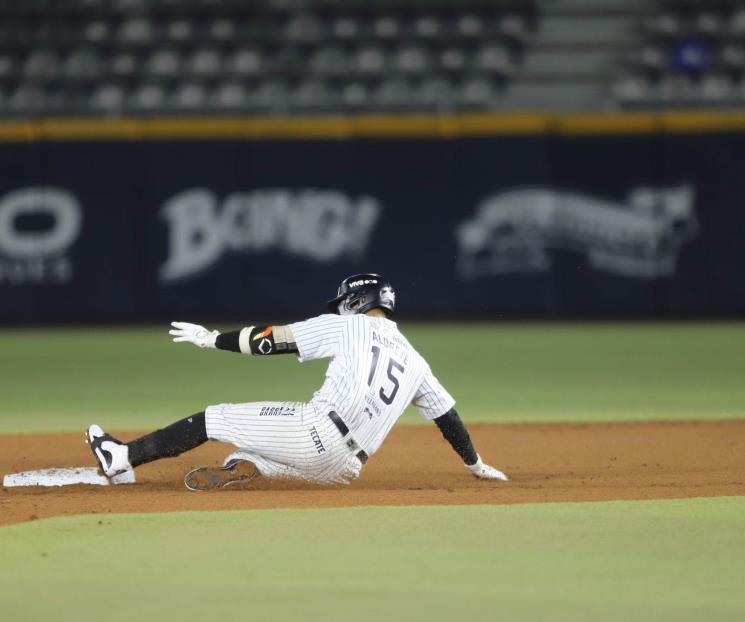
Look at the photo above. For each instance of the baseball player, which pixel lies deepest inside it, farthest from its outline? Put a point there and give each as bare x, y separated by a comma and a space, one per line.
373, 375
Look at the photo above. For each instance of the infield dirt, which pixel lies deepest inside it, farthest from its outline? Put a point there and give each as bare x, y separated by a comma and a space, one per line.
546, 463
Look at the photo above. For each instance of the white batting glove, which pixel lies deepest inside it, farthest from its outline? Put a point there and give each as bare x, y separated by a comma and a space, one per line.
484, 471
193, 333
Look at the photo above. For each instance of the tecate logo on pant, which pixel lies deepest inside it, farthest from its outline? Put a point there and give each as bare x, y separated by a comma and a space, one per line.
38, 226
320, 225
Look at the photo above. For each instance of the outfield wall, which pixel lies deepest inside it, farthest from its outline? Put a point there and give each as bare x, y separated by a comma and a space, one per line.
474, 216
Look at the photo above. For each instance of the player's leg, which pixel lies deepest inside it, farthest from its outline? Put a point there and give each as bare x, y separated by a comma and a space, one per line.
275, 439
115, 457
272, 430
258, 429
284, 440
240, 467
338, 467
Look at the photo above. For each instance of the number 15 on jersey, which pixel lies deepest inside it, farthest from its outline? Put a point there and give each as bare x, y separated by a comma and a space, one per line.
389, 388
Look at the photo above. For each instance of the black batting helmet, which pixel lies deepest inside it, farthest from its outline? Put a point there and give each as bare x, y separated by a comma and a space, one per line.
361, 292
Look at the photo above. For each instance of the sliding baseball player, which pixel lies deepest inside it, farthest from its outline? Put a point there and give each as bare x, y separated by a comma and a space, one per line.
373, 375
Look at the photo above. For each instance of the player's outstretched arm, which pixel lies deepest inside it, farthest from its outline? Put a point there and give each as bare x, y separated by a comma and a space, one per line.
261, 340
455, 433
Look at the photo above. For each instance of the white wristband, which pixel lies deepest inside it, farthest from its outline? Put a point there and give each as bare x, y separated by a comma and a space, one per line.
243, 340
211, 340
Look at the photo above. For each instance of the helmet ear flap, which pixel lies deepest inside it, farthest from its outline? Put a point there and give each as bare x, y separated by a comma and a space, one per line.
388, 298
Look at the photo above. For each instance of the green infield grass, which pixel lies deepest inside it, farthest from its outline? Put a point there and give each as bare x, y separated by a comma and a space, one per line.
676, 561
134, 378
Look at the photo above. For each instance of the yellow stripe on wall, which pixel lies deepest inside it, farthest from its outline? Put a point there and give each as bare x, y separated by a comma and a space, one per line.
368, 126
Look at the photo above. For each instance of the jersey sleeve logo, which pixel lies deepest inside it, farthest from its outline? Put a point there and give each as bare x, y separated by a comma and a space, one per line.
263, 334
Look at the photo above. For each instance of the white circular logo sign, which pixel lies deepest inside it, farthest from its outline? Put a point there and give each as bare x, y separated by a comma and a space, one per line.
59, 204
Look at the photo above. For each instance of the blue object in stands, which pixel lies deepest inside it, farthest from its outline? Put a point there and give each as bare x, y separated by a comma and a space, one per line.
691, 56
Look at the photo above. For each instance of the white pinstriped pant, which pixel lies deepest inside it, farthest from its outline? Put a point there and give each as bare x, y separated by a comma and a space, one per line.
284, 440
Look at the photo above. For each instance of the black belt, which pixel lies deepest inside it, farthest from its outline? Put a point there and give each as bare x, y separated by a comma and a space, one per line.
351, 443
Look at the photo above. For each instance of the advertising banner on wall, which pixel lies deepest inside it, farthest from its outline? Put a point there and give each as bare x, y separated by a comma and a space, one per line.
503, 226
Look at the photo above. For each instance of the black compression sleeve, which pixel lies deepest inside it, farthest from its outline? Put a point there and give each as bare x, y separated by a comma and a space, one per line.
172, 441
455, 433
228, 341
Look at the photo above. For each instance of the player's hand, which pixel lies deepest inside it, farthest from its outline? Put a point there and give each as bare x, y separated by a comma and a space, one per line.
484, 471
193, 333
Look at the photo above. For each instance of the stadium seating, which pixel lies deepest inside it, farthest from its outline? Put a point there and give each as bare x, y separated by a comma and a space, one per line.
114, 57
689, 53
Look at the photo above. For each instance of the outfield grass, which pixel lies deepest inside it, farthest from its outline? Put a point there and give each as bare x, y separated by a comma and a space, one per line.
645, 560
62, 379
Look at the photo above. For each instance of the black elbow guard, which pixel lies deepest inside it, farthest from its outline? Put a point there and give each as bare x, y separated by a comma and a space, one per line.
265, 340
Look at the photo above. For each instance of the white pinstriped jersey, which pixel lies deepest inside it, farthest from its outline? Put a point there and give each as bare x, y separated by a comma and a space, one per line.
373, 375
